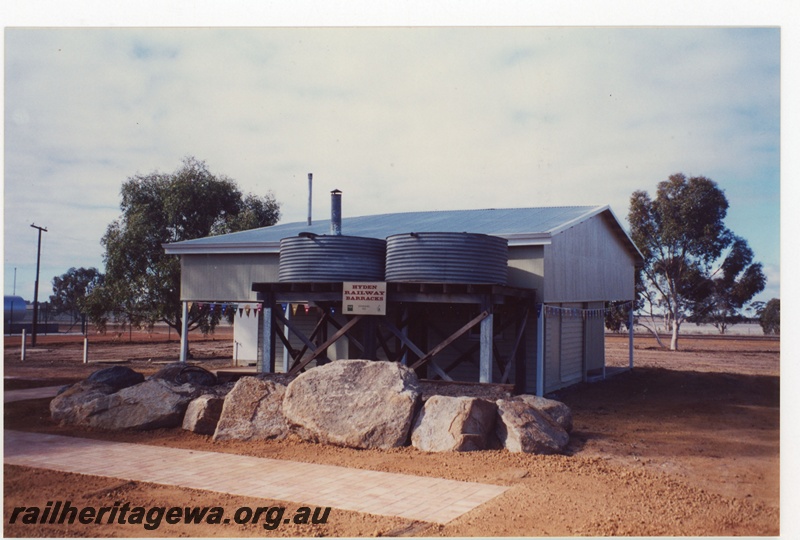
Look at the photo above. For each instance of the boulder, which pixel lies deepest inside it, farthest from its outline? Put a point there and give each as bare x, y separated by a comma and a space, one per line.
354, 403
64, 407
202, 414
454, 424
150, 405
252, 411
117, 377
558, 411
522, 428
180, 373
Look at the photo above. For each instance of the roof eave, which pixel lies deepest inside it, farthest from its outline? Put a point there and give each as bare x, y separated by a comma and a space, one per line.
527, 239
218, 249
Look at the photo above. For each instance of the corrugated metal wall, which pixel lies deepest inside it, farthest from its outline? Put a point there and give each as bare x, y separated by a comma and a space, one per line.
571, 361
552, 352
526, 266
227, 277
587, 263
595, 339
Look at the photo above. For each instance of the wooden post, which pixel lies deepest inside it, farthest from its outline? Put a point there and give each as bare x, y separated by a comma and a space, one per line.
540, 350
487, 342
630, 338
267, 364
286, 314
184, 331
22, 351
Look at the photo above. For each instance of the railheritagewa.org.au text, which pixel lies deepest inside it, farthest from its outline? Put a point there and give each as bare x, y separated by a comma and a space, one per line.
65, 513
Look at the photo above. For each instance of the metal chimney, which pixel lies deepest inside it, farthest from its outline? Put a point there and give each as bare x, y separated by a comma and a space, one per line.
336, 212
309, 198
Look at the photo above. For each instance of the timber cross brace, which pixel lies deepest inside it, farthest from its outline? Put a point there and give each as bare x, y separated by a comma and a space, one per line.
417, 314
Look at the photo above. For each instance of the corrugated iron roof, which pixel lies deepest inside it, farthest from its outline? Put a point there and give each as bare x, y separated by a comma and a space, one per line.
518, 225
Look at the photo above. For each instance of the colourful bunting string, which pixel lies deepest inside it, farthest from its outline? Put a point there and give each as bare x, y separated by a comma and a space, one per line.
574, 313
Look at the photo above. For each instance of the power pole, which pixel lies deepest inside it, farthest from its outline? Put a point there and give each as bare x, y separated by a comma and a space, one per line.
36, 286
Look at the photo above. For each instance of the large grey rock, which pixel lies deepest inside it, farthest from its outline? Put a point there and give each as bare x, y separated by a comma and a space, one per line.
354, 403
64, 407
522, 428
252, 411
202, 414
150, 405
558, 411
181, 373
117, 377
454, 424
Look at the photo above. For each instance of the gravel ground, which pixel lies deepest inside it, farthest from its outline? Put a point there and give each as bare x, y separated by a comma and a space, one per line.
685, 444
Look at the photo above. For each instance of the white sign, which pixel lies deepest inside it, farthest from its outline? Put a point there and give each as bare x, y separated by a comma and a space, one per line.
364, 298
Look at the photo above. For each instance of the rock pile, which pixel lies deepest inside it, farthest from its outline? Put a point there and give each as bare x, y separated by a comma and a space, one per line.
119, 398
352, 403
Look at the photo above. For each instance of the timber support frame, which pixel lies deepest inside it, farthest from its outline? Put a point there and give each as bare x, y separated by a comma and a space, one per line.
403, 334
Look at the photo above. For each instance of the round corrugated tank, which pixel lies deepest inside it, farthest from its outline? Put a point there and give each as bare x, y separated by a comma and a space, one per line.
15, 309
447, 258
311, 257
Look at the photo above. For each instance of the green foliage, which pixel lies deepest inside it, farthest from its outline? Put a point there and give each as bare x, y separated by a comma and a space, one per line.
681, 234
71, 289
616, 317
253, 213
142, 282
725, 293
770, 317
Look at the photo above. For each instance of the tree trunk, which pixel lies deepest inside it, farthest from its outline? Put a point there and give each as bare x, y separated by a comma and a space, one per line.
653, 330
673, 345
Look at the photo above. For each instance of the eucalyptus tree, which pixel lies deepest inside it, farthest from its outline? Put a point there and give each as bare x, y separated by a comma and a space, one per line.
770, 317
71, 290
681, 234
142, 283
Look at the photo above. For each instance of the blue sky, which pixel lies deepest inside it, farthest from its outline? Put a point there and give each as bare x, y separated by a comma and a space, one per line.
398, 118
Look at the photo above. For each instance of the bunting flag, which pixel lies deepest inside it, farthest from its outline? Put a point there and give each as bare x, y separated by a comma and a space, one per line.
294, 309
189, 306
574, 313
241, 310
247, 310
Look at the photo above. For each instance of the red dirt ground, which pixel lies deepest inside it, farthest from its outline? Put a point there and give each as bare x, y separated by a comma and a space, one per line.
685, 444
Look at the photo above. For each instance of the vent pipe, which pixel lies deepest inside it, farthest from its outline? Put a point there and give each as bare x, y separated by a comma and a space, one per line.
309, 198
336, 212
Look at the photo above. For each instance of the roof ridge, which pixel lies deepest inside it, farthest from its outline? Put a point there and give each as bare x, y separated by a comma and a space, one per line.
587, 206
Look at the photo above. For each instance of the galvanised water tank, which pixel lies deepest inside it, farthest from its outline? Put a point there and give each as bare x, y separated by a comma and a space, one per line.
447, 258
310, 257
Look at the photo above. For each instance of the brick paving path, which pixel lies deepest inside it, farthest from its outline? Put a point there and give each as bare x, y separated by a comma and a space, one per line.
434, 500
